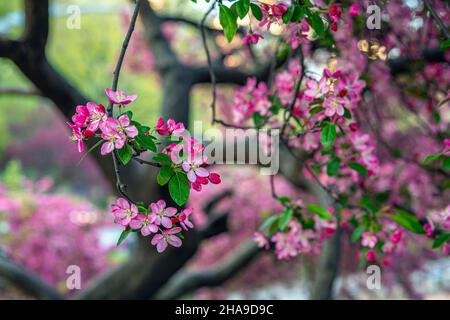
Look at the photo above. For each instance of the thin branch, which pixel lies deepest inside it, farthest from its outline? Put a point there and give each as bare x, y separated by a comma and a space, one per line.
186, 282
149, 163
20, 92
208, 59
437, 18
121, 187
288, 115
26, 281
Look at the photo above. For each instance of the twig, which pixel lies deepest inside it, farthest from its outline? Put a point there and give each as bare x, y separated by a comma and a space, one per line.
288, 114
437, 18
208, 59
150, 163
121, 187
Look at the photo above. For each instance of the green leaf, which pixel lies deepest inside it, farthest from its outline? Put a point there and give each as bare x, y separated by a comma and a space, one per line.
316, 110
446, 163
123, 236
445, 44
333, 166
440, 240
285, 218
242, 8
328, 135
256, 11
320, 211
317, 24
287, 16
179, 188
125, 154
146, 142
162, 158
347, 114
284, 200
258, 119
432, 157
228, 22
298, 14
358, 232
269, 222
164, 175
358, 168
407, 221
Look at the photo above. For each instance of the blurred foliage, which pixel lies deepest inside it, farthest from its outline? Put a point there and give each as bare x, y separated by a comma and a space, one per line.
12, 176
85, 56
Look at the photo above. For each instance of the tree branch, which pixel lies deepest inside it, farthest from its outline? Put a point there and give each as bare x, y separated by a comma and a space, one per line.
26, 281
186, 282
20, 91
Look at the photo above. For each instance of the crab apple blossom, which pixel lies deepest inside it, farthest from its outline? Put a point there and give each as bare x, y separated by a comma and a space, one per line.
252, 38
354, 10
119, 97
145, 223
184, 219
368, 240
162, 240
193, 169
316, 90
77, 135
169, 128
114, 140
89, 116
271, 14
124, 211
297, 33
334, 106
161, 215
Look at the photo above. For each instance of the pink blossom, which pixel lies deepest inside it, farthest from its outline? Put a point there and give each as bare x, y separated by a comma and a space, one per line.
123, 125
145, 223
335, 12
368, 239
271, 14
261, 240
115, 131
250, 98
315, 90
114, 140
90, 116
161, 215
77, 135
354, 10
192, 166
123, 211
175, 128
396, 237
214, 178
161, 127
184, 219
162, 240
171, 128
297, 33
333, 105
370, 255
252, 38
119, 97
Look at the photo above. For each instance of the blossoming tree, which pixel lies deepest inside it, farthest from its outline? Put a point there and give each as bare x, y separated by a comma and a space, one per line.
344, 97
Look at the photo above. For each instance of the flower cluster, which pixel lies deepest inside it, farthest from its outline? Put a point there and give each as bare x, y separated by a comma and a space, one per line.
158, 219
91, 118
181, 161
305, 232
